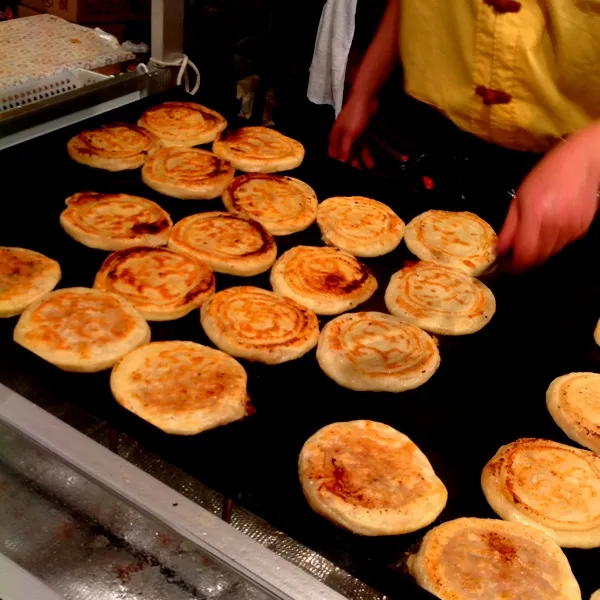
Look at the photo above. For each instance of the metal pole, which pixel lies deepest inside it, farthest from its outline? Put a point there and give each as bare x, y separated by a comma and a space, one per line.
167, 29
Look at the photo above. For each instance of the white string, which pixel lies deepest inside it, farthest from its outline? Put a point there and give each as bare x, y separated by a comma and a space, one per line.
183, 63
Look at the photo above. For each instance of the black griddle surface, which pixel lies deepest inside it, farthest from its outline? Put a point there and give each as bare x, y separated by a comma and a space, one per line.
489, 390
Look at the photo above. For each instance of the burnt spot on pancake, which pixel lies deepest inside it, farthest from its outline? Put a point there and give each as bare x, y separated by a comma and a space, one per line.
338, 283
150, 228
501, 546
230, 135
220, 166
201, 289
238, 182
266, 238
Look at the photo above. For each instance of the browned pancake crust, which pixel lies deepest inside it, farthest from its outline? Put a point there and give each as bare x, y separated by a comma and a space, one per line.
256, 324
115, 221
227, 243
258, 150
284, 205
322, 277
187, 173
81, 329
182, 387
113, 147
25, 276
183, 123
160, 283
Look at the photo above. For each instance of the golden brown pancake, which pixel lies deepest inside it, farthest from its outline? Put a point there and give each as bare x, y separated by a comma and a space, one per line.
183, 124
597, 333
25, 276
574, 403
163, 285
80, 329
113, 147
460, 240
360, 226
481, 559
371, 479
326, 280
377, 352
255, 324
227, 243
187, 173
548, 485
440, 299
115, 221
283, 205
181, 387
259, 150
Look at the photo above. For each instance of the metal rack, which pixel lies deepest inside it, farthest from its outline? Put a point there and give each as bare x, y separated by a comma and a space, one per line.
77, 105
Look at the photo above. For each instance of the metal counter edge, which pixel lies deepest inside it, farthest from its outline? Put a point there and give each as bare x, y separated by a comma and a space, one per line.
257, 563
17, 584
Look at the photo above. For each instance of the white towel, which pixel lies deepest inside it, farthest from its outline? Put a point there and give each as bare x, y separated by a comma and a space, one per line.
330, 57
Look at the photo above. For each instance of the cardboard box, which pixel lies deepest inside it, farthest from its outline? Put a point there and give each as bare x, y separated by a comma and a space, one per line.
25, 11
116, 29
93, 11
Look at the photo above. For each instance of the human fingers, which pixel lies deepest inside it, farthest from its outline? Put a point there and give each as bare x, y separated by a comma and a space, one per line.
528, 242
366, 157
334, 139
356, 163
509, 229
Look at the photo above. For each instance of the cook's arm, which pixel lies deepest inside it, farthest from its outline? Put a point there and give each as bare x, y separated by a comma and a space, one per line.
556, 203
374, 70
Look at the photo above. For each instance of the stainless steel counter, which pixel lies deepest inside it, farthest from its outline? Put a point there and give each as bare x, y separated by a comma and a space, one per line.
88, 524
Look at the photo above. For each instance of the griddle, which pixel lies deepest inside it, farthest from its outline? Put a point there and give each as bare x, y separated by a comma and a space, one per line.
489, 390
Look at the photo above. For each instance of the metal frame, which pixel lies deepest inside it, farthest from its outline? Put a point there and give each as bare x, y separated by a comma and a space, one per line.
54, 113
18, 584
167, 29
247, 557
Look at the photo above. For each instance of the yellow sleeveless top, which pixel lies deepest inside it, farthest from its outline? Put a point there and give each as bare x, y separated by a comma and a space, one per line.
521, 74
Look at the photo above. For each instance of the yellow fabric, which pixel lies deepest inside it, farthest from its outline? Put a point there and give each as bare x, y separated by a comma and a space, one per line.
546, 56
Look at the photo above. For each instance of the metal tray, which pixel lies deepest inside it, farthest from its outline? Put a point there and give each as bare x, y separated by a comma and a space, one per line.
490, 388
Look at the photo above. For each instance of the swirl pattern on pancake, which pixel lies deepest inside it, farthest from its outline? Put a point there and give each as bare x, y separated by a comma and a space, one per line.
573, 401
326, 280
181, 387
183, 124
25, 276
460, 240
372, 351
115, 221
80, 329
187, 173
439, 299
370, 479
283, 205
259, 150
163, 285
115, 147
548, 485
256, 324
360, 226
227, 243
481, 559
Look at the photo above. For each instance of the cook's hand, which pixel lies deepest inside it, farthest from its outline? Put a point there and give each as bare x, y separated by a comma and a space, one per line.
349, 127
556, 203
